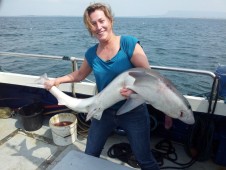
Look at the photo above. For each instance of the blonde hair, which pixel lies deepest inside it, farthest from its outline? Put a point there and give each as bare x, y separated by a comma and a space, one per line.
93, 7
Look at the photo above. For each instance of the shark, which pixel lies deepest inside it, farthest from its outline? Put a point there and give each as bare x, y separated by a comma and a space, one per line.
149, 87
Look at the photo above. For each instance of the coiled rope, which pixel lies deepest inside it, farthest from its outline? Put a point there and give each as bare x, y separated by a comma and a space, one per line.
82, 125
163, 150
199, 144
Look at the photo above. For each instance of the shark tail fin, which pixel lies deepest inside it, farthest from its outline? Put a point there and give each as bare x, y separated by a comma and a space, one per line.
42, 79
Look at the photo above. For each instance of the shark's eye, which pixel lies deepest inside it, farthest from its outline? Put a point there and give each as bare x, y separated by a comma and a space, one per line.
189, 106
181, 114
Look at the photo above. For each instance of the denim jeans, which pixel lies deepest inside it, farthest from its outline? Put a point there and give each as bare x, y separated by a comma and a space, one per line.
135, 123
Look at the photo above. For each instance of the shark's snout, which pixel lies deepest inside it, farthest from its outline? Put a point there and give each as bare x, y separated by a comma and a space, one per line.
187, 118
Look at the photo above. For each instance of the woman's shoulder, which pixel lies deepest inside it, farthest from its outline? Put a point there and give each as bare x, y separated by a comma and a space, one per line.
91, 49
128, 44
90, 54
128, 40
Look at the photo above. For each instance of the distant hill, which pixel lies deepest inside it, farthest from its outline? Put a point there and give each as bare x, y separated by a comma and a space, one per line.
194, 14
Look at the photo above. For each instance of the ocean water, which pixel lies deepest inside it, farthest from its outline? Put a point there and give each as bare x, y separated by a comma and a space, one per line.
185, 43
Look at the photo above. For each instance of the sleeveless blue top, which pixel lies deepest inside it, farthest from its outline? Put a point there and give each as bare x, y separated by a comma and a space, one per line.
106, 71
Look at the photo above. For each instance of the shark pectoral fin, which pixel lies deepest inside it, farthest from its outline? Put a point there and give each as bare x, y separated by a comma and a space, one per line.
131, 103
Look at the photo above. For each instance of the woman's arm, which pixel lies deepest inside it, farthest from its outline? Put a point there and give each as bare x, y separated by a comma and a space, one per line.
75, 76
139, 59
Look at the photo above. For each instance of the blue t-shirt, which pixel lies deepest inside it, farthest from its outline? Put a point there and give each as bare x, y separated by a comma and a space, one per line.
106, 71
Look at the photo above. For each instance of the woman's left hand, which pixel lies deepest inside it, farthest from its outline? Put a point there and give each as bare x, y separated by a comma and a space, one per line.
126, 92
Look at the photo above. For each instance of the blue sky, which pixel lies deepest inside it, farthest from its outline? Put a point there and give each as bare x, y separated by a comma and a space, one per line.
119, 7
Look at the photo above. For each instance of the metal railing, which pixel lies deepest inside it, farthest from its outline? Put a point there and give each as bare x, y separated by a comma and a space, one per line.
75, 60
53, 57
203, 72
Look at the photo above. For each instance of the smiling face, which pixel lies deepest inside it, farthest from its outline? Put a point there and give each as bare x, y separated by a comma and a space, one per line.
98, 19
101, 25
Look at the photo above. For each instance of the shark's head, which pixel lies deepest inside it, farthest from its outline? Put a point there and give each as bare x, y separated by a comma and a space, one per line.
185, 113
187, 117
181, 109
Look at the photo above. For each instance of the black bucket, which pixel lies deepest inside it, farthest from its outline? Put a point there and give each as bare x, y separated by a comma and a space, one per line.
31, 116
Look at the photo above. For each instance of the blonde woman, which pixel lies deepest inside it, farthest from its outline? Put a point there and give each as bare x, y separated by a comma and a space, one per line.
112, 55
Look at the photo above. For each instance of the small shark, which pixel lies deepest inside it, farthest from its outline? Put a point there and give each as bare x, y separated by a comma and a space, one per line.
149, 87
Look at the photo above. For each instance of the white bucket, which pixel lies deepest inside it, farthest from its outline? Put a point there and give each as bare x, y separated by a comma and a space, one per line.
63, 133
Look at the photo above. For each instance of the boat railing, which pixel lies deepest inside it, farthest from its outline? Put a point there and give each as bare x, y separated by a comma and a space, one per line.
76, 61
195, 71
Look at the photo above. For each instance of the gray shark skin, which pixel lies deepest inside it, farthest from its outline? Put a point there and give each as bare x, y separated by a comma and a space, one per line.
149, 87
161, 94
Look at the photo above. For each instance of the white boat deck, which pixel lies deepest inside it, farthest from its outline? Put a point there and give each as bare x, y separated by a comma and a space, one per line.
24, 150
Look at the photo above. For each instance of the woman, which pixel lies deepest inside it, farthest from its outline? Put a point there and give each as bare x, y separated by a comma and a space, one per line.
107, 59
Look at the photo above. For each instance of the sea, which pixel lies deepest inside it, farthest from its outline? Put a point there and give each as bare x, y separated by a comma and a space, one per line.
170, 42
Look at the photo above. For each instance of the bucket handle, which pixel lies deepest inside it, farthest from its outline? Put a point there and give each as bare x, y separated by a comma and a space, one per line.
64, 136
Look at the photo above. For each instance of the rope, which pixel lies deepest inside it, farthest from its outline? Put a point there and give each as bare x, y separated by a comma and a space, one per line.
163, 150
123, 152
166, 150
199, 144
82, 125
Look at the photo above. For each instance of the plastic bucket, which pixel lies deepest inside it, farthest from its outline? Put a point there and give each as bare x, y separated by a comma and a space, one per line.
64, 128
31, 116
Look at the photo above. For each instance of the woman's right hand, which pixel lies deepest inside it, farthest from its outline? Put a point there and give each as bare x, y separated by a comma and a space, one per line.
50, 83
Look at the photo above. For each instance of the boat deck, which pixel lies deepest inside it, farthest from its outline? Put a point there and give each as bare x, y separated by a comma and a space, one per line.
20, 149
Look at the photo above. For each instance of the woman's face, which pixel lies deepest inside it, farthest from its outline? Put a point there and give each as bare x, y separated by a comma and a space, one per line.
101, 25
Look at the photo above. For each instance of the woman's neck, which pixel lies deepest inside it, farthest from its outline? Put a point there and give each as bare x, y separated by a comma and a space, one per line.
109, 43
108, 49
